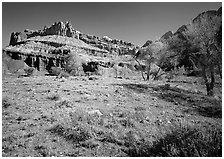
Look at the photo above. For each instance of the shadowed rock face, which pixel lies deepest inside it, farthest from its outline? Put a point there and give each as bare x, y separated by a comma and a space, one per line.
90, 66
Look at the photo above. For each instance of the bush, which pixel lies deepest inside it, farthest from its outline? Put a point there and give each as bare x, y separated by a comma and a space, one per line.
73, 65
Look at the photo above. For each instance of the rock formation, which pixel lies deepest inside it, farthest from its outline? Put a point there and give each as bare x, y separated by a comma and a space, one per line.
147, 43
47, 48
58, 28
167, 35
66, 30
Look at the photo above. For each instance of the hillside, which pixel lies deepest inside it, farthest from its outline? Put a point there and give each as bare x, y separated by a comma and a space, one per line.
172, 46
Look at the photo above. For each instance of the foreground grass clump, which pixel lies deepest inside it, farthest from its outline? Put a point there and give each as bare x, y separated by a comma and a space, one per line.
132, 135
93, 130
184, 141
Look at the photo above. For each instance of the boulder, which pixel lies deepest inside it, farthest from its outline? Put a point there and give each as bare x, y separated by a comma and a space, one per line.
17, 37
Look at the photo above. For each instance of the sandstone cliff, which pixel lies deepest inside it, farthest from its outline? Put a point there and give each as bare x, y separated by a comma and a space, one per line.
50, 47
66, 30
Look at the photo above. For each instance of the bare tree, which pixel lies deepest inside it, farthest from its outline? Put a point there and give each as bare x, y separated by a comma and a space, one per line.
147, 56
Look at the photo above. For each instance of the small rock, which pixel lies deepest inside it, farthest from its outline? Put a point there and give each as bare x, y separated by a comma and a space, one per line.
154, 98
63, 79
95, 112
217, 98
92, 78
64, 102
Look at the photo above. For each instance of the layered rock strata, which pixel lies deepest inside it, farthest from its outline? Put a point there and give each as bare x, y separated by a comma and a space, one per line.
66, 30
43, 49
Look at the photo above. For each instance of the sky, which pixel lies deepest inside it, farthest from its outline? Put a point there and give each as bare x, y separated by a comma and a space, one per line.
129, 21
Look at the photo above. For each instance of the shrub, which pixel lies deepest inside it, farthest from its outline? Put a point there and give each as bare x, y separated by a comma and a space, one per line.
73, 65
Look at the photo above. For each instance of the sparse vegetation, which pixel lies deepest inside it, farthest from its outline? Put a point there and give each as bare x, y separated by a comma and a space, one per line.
149, 129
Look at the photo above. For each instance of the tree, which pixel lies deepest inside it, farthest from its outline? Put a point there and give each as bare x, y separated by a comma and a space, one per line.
200, 48
203, 37
145, 54
149, 55
218, 47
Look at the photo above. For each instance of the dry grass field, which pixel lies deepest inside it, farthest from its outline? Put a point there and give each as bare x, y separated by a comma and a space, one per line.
43, 116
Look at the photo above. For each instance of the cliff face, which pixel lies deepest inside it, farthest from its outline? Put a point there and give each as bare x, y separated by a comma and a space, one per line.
49, 51
65, 29
50, 46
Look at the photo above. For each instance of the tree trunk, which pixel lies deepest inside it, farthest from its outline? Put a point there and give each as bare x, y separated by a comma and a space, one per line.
219, 68
155, 76
209, 85
141, 69
148, 71
210, 91
193, 63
